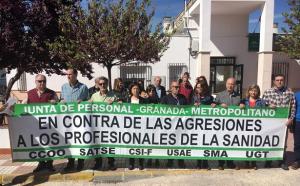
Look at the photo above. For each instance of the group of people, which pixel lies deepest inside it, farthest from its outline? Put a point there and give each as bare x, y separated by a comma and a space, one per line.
181, 92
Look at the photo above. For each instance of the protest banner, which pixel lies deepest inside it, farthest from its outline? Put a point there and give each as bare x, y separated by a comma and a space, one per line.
88, 130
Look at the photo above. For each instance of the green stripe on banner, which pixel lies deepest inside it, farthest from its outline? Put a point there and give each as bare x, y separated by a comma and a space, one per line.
149, 147
150, 157
147, 110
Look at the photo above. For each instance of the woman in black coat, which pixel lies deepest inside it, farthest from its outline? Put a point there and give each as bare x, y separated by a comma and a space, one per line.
135, 98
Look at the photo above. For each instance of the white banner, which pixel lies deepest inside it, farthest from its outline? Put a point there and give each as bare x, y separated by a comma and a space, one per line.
146, 131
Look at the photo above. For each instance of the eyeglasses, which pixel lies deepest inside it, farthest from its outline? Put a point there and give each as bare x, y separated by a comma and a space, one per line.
101, 84
175, 87
41, 81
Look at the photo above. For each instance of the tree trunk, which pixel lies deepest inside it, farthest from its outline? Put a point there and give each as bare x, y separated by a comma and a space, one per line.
12, 82
109, 76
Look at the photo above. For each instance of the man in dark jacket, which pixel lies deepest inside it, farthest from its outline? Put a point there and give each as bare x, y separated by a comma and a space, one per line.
174, 98
160, 90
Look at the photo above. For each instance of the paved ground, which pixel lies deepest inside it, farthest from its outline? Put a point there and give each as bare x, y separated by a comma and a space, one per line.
21, 174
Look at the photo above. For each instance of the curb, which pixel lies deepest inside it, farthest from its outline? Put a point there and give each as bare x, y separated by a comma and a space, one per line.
95, 176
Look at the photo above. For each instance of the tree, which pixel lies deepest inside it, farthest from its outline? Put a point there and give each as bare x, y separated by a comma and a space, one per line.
26, 30
111, 33
290, 41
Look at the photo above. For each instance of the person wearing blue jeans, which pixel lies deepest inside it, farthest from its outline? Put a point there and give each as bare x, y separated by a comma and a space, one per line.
296, 164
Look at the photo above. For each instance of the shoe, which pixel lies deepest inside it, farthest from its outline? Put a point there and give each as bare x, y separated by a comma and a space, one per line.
268, 164
231, 165
170, 164
284, 166
221, 167
247, 165
156, 163
50, 167
149, 163
253, 165
295, 165
80, 165
112, 167
141, 167
181, 164
199, 166
70, 166
131, 167
205, 165
41, 166
98, 164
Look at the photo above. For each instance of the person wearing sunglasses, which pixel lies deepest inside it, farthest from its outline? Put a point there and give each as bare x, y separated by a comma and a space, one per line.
174, 98
105, 96
41, 94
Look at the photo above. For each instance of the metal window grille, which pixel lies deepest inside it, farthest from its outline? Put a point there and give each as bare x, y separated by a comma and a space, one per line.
175, 71
22, 84
134, 72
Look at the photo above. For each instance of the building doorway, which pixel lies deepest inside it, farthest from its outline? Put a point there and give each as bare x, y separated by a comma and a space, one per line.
221, 68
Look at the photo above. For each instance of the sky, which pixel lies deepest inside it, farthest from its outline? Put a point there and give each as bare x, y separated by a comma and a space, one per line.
171, 8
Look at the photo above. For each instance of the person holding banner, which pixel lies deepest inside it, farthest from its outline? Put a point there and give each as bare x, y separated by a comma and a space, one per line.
202, 97
227, 98
174, 98
108, 97
152, 95
41, 94
296, 164
74, 91
95, 88
252, 100
152, 99
135, 98
280, 96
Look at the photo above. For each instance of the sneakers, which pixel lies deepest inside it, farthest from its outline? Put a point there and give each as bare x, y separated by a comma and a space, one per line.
284, 166
295, 165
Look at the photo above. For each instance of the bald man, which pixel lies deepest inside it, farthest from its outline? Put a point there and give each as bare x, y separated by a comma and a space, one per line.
227, 98
41, 94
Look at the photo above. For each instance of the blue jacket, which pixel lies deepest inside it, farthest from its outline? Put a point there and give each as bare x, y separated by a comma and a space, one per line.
259, 102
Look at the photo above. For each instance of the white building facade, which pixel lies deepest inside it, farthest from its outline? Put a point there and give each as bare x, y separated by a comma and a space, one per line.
211, 39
